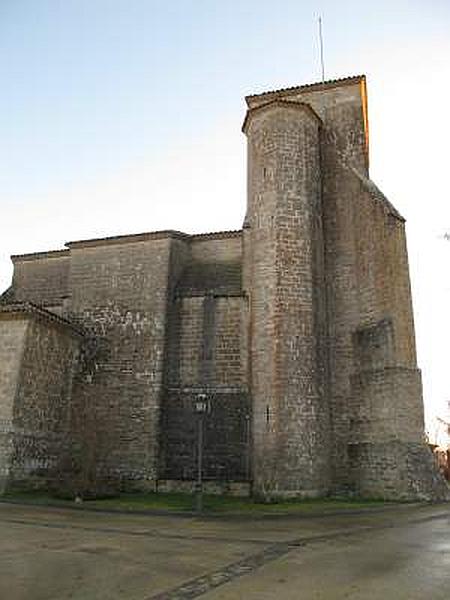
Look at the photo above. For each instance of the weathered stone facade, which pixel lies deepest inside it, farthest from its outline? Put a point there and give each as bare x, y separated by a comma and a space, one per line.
39, 354
298, 328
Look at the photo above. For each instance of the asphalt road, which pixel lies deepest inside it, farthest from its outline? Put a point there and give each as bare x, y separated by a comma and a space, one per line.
60, 554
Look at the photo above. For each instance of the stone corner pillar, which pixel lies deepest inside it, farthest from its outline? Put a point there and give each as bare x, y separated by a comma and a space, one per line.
287, 312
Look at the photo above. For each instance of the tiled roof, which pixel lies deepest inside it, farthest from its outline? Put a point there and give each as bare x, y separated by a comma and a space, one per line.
140, 237
310, 87
216, 235
7, 297
127, 239
37, 255
33, 309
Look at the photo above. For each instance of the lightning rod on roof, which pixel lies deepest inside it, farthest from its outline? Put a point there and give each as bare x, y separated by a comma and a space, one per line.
321, 49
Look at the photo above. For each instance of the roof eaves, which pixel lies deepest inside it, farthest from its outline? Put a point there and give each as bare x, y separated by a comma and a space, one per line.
152, 235
39, 255
127, 238
232, 233
29, 308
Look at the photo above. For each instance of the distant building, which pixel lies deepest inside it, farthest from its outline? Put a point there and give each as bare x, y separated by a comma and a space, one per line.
439, 442
298, 328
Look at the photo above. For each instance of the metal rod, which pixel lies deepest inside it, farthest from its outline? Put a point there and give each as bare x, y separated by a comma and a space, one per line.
199, 486
247, 445
321, 50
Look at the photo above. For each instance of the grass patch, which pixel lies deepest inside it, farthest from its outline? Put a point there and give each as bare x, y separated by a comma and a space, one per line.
177, 502
34, 497
229, 504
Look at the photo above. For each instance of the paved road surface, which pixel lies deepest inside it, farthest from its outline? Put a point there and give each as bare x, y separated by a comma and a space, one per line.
59, 554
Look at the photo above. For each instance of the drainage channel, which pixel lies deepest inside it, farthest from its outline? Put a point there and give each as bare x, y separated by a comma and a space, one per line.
200, 585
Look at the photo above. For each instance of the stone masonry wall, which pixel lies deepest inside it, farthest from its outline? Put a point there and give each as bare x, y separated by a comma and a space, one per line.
207, 354
386, 410
291, 429
366, 267
217, 248
368, 295
42, 409
42, 278
343, 141
382, 271
368, 298
207, 342
36, 369
12, 335
187, 341
119, 295
342, 111
226, 435
299, 329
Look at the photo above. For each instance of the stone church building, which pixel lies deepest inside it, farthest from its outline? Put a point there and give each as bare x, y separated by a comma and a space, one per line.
298, 329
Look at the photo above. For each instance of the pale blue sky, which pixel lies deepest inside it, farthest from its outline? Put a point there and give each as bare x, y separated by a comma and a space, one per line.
120, 116
90, 85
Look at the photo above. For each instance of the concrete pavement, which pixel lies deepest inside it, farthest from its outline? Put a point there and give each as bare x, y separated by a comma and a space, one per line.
59, 554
